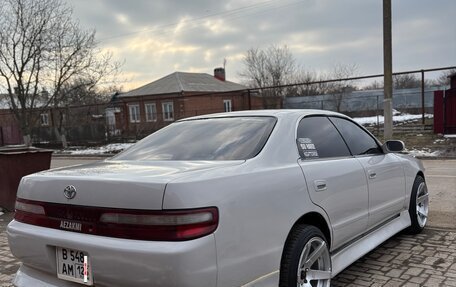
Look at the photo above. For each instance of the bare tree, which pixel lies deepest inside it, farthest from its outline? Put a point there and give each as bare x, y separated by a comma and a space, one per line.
272, 67
77, 95
406, 81
42, 51
341, 88
375, 85
77, 92
444, 78
255, 72
308, 84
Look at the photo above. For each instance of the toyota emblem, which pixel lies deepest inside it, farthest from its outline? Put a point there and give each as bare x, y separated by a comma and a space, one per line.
69, 192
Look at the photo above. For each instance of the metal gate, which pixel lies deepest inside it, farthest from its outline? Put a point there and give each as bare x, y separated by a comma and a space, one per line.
445, 109
449, 112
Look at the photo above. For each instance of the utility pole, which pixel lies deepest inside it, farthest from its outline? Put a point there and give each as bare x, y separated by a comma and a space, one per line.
387, 71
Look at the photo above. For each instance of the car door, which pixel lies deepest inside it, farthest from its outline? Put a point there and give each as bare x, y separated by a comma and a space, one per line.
335, 180
384, 171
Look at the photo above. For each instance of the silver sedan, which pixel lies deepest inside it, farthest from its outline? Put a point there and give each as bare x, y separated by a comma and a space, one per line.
251, 198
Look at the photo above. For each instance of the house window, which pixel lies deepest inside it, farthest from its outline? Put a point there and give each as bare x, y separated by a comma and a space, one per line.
227, 105
168, 111
44, 119
151, 112
134, 113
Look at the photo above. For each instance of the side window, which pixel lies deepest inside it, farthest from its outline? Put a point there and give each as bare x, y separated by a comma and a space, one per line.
168, 111
356, 138
151, 112
134, 113
227, 105
44, 119
318, 138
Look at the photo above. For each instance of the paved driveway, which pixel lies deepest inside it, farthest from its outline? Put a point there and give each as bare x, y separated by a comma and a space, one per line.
8, 264
427, 259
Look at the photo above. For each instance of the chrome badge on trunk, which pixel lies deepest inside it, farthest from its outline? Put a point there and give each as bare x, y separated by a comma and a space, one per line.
69, 192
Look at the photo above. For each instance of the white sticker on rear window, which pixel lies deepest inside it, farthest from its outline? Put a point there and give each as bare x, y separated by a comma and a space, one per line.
308, 148
311, 154
304, 140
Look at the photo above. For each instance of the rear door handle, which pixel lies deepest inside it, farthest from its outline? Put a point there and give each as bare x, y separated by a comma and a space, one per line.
320, 185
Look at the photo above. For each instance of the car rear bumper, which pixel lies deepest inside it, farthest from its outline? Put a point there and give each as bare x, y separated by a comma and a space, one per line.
115, 262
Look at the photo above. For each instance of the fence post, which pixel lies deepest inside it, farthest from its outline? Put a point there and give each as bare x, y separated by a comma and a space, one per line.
422, 97
444, 110
378, 120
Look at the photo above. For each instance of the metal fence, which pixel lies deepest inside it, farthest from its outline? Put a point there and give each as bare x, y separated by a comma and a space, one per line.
102, 123
413, 106
84, 124
366, 103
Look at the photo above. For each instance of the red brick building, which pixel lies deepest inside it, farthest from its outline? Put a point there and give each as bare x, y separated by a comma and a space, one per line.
175, 96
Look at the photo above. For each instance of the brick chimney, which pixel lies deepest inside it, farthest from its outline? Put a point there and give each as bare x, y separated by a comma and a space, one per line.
219, 73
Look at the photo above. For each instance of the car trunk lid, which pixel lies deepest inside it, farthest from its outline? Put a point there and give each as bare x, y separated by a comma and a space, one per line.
115, 184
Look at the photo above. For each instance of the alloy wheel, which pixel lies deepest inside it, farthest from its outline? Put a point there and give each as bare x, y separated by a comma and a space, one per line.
314, 268
422, 204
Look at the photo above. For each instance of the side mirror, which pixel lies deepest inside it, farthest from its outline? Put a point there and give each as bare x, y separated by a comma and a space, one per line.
393, 146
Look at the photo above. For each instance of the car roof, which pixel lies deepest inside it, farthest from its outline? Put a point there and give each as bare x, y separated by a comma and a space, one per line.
282, 113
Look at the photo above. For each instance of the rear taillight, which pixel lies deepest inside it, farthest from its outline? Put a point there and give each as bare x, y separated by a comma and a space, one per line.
166, 225
29, 207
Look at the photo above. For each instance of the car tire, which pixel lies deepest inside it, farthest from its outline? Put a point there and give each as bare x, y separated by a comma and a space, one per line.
306, 259
419, 206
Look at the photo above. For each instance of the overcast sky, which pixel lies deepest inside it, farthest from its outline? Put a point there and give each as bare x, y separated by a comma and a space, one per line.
158, 37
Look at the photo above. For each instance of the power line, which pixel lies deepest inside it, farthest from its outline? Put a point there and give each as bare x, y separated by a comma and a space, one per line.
229, 14
188, 21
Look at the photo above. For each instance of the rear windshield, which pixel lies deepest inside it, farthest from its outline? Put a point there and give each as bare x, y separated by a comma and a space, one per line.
233, 138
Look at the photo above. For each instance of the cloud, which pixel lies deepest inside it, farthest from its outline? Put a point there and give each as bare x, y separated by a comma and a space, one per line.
122, 19
158, 37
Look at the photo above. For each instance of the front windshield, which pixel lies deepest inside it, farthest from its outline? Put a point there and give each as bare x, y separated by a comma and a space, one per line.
230, 138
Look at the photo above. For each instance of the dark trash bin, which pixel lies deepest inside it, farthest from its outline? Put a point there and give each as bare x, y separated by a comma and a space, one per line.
16, 162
